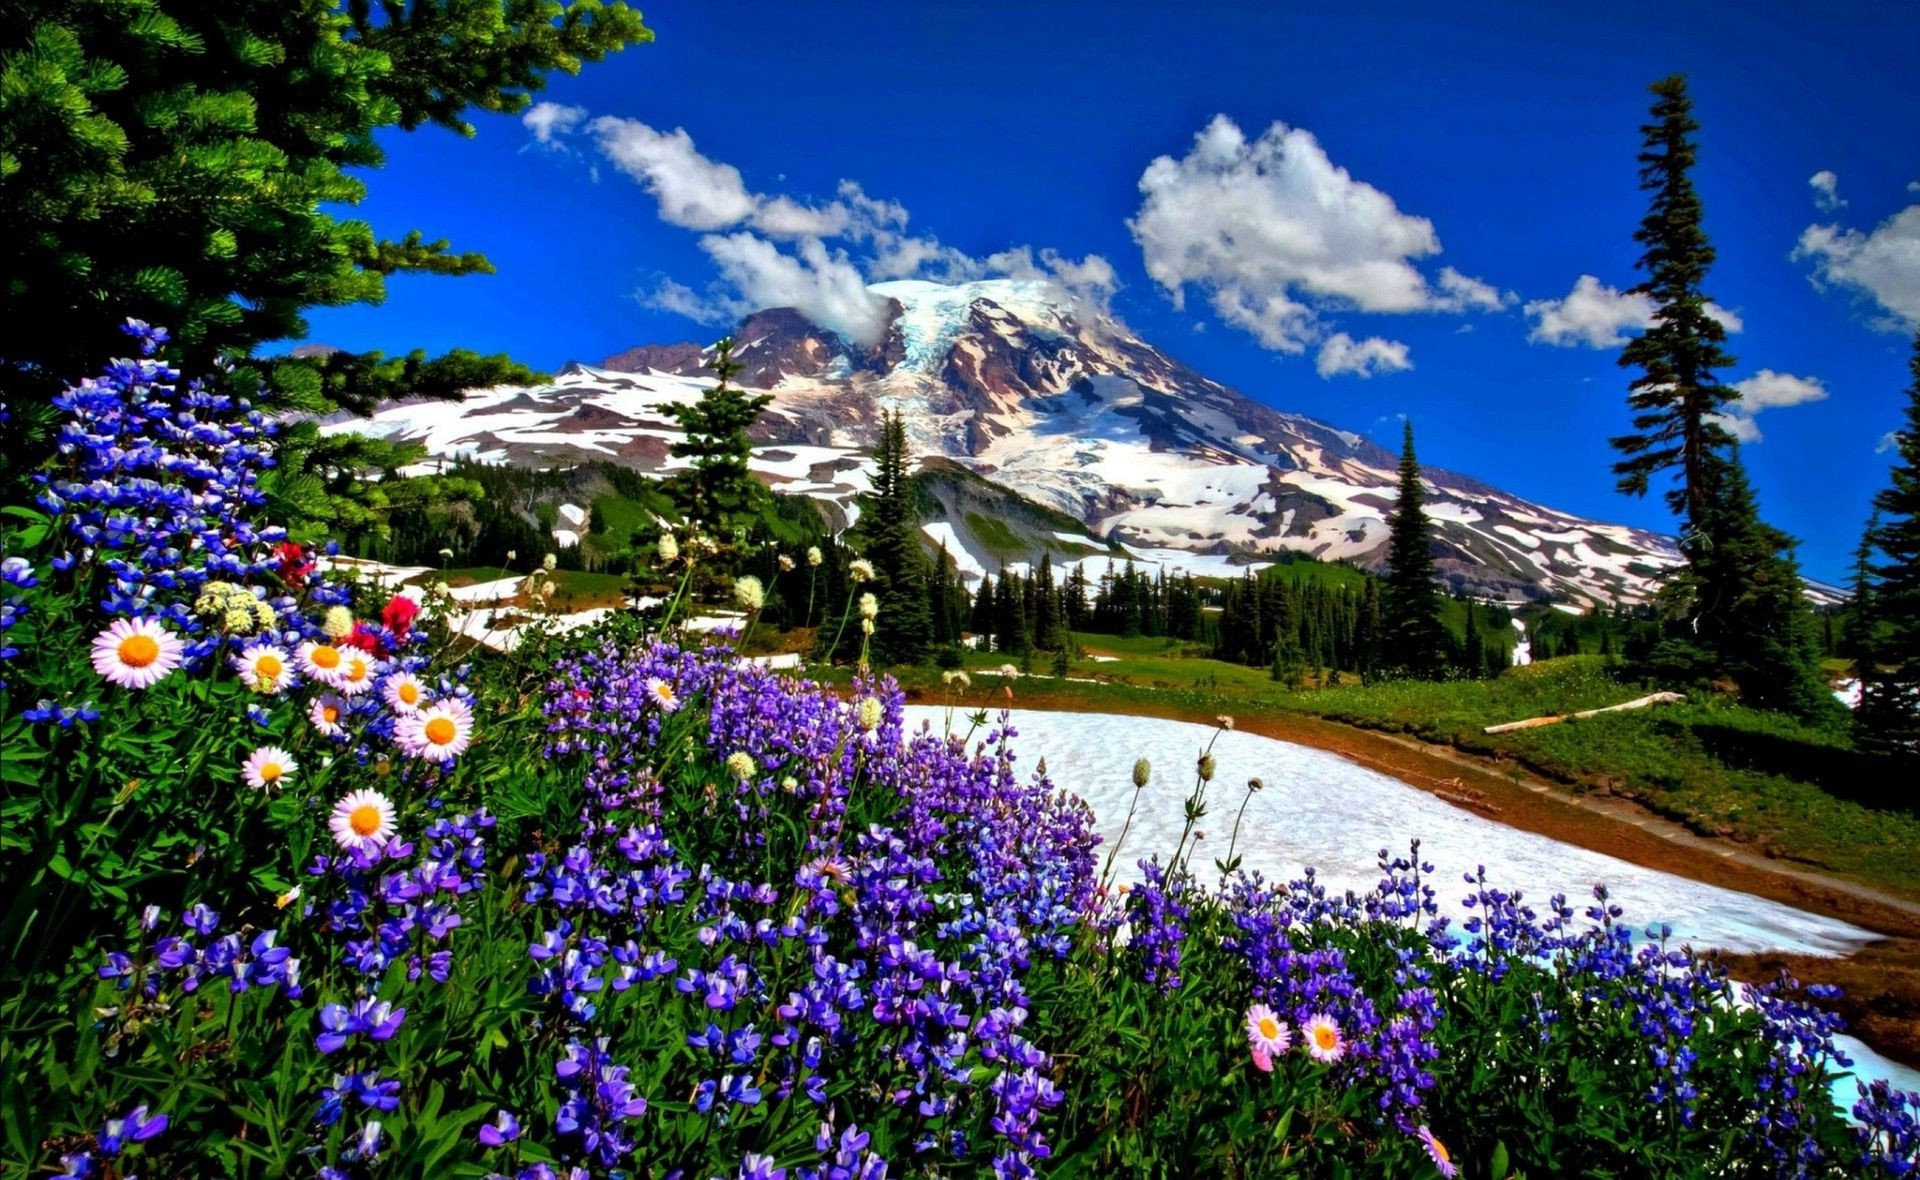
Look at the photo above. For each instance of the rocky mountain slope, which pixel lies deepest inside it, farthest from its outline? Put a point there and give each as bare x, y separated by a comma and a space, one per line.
1136, 453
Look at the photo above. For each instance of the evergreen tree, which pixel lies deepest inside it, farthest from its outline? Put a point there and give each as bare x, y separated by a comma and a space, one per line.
1473, 659
1412, 639
1751, 608
189, 162
1895, 718
981, 622
1366, 630
719, 495
1047, 630
891, 524
1677, 397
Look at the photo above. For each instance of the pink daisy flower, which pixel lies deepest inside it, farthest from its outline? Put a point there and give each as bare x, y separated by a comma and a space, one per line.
268, 766
320, 661
362, 820
264, 668
404, 693
357, 673
662, 694
438, 733
136, 653
1266, 1032
328, 714
1437, 1152
1324, 1042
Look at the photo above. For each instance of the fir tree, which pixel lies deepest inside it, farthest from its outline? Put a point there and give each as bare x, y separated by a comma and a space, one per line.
719, 495
1473, 660
1677, 397
1412, 639
1751, 608
1895, 720
190, 163
891, 524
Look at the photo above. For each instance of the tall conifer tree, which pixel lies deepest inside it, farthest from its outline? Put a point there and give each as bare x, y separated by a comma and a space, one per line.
1894, 720
1677, 396
718, 494
892, 528
1413, 641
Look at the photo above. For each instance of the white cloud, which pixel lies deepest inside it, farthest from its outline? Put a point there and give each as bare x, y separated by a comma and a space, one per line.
549, 120
1883, 265
1767, 390
1341, 353
1465, 293
694, 192
822, 284
683, 300
1890, 441
774, 250
1598, 316
1275, 233
1592, 314
1826, 189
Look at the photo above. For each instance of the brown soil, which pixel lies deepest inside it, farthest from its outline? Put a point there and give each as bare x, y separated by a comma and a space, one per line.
1881, 982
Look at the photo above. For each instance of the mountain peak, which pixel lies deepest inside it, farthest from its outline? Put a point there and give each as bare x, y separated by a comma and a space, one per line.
1019, 382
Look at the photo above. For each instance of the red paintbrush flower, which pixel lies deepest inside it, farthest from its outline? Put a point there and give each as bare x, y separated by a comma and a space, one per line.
295, 565
399, 614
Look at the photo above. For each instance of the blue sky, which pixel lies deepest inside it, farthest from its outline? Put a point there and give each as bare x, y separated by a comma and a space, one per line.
1460, 172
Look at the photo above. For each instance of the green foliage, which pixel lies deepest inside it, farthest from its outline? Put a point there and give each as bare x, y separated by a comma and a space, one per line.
1890, 710
181, 161
1411, 638
1677, 394
719, 491
890, 529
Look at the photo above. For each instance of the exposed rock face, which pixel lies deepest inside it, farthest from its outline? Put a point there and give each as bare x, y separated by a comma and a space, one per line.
1017, 383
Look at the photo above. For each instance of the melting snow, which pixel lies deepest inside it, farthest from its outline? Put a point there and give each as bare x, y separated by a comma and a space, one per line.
1323, 810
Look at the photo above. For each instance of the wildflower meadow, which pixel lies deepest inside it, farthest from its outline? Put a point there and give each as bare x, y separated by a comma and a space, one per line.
297, 886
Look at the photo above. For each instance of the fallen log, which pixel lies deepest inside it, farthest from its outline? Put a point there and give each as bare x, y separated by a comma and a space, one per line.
1658, 698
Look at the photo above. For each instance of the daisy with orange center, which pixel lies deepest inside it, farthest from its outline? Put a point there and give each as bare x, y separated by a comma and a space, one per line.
1266, 1032
329, 715
663, 695
136, 653
268, 767
1324, 1042
438, 733
356, 674
404, 693
320, 661
1437, 1152
362, 820
265, 668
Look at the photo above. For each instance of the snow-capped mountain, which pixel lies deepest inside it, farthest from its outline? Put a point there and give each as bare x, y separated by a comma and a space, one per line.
1056, 402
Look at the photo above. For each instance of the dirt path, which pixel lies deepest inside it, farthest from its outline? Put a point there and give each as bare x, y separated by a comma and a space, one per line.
1881, 982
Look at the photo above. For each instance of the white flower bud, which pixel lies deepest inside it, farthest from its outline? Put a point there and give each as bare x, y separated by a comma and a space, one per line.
669, 548
785, 563
813, 555
740, 765
1142, 770
549, 563
869, 606
869, 712
860, 570
749, 593
337, 623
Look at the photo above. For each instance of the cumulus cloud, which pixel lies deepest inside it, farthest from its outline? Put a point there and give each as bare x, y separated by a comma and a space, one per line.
694, 192
821, 283
682, 300
1598, 316
549, 120
1275, 235
1341, 353
1826, 189
1767, 390
1883, 265
774, 250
